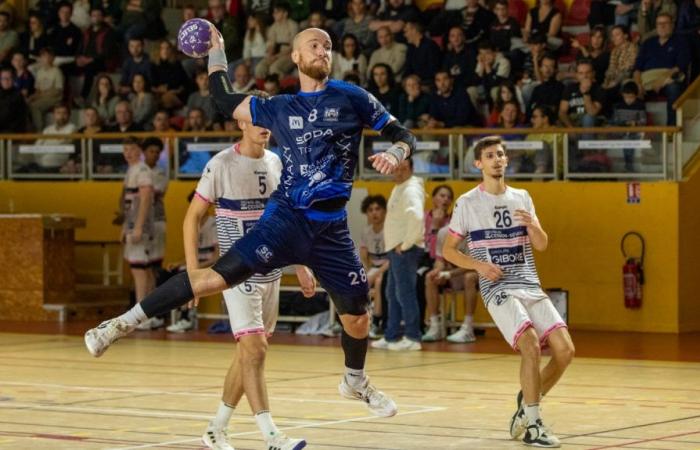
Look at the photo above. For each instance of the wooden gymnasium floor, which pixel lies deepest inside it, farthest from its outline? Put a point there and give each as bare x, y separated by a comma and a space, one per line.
150, 392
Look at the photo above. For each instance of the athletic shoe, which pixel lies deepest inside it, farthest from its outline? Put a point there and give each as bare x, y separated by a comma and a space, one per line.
282, 442
157, 322
433, 334
380, 344
405, 345
378, 402
375, 332
216, 438
537, 435
145, 325
462, 336
98, 340
180, 326
518, 423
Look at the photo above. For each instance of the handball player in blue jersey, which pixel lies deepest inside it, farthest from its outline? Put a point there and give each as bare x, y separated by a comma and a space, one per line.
318, 131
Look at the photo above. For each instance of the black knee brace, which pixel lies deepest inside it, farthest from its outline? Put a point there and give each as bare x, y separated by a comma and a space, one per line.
232, 268
353, 305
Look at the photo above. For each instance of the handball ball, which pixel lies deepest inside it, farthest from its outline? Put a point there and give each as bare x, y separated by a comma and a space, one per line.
194, 37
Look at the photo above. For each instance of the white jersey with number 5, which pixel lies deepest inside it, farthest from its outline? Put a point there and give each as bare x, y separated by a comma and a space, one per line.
494, 235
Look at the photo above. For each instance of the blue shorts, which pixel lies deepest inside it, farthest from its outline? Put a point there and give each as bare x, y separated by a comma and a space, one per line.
284, 236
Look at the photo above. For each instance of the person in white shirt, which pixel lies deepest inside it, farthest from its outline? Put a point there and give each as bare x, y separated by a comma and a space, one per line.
374, 258
404, 242
501, 228
61, 125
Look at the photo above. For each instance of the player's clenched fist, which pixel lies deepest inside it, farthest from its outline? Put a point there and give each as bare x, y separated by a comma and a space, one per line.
524, 217
490, 271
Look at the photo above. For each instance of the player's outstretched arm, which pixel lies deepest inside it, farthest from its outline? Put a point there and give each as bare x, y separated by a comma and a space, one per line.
404, 144
190, 236
229, 103
450, 251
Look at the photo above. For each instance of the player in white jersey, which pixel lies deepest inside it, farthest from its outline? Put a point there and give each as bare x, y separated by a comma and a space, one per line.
137, 230
239, 181
152, 148
501, 228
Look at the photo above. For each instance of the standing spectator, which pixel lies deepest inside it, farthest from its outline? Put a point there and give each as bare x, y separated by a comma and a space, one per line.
545, 20
582, 101
55, 162
550, 90
596, 51
630, 112
8, 37
242, 80
459, 60
492, 68
124, 119
374, 259
389, 52
13, 108
136, 62
357, 23
142, 101
349, 59
24, 80
622, 58
202, 98
170, 81
35, 38
395, 16
141, 19
104, 98
647, 13
423, 57
279, 44
403, 237
65, 38
152, 149
689, 26
92, 123
413, 103
474, 19
228, 27
662, 65
383, 86
99, 50
504, 28
449, 107
49, 88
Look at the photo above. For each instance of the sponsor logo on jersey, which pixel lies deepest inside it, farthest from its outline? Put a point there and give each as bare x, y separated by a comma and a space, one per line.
296, 122
304, 138
507, 256
331, 114
264, 253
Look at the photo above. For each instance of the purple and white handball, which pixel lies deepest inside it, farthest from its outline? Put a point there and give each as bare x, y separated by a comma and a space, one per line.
194, 37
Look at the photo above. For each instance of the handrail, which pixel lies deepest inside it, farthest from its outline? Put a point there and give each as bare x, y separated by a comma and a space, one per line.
692, 89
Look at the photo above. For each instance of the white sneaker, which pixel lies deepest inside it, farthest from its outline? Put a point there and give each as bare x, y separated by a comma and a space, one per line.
216, 438
145, 325
518, 423
375, 332
156, 323
433, 334
537, 435
282, 442
462, 336
405, 345
381, 344
98, 340
180, 326
378, 402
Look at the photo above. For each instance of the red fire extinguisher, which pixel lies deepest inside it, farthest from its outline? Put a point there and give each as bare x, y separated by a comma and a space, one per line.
633, 274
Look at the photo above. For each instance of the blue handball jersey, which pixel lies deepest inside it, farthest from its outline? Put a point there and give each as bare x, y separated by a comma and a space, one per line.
318, 134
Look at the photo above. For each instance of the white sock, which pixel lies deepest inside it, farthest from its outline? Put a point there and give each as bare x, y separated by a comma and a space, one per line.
266, 425
134, 316
354, 377
435, 320
532, 412
468, 323
223, 415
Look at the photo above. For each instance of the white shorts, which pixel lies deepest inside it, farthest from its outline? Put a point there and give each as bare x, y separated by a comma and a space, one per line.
516, 310
138, 254
253, 307
158, 248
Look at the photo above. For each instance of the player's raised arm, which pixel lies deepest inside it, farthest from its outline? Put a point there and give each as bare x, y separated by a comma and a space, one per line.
226, 100
404, 144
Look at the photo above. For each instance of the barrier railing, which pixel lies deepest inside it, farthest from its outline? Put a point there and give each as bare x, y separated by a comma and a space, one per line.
545, 154
688, 118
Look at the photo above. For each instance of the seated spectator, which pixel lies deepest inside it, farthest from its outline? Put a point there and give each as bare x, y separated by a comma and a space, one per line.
104, 98
662, 65
141, 19
228, 27
449, 107
279, 44
413, 103
92, 121
195, 121
542, 119
349, 59
509, 117
492, 68
630, 112
142, 101
13, 107
202, 98
596, 51
9, 40
65, 38
9, 8
357, 23
254, 45
242, 80
549, 91
52, 162
622, 59
473, 18
423, 56
34, 38
272, 85
459, 59
395, 16
528, 62
98, 52
383, 87
504, 29
389, 52
113, 11
136, 62
49, 88
507, 92
647, 13
124, 119
160, 122
81, 14
582, 101
545, 20
689, 26
24, 80
170, 82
